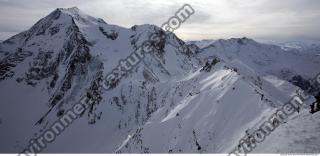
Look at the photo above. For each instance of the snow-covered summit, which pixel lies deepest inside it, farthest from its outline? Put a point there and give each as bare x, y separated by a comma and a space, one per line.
73, 10
65, 56
204, 98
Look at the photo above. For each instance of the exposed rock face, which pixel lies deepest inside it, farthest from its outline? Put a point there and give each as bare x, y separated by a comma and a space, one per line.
178, 98
309, 85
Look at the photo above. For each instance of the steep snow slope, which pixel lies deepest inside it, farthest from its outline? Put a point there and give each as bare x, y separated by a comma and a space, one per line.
220, 105
303, 131
265, 59
295, 66
173, 101
64, 57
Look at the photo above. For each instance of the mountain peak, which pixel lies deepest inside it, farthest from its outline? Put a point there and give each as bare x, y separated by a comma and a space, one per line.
78, 15
72, 10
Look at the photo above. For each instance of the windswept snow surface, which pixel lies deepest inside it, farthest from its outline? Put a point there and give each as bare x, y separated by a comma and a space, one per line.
174, 100
265, 59
303, 131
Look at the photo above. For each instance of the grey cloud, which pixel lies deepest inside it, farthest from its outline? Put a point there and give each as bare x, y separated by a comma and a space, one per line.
219, 18
199, 17
10, 28
291, 5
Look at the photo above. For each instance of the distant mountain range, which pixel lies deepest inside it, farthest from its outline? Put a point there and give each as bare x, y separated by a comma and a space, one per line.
194, 97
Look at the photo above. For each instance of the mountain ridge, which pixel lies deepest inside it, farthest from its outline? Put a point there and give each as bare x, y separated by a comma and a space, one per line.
206, 98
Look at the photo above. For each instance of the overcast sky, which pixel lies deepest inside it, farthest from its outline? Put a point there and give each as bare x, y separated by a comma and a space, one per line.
213, 19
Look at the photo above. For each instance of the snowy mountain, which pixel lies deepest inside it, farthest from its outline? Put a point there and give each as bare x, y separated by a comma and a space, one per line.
268, 59
303, 46
201, 44
180, 98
